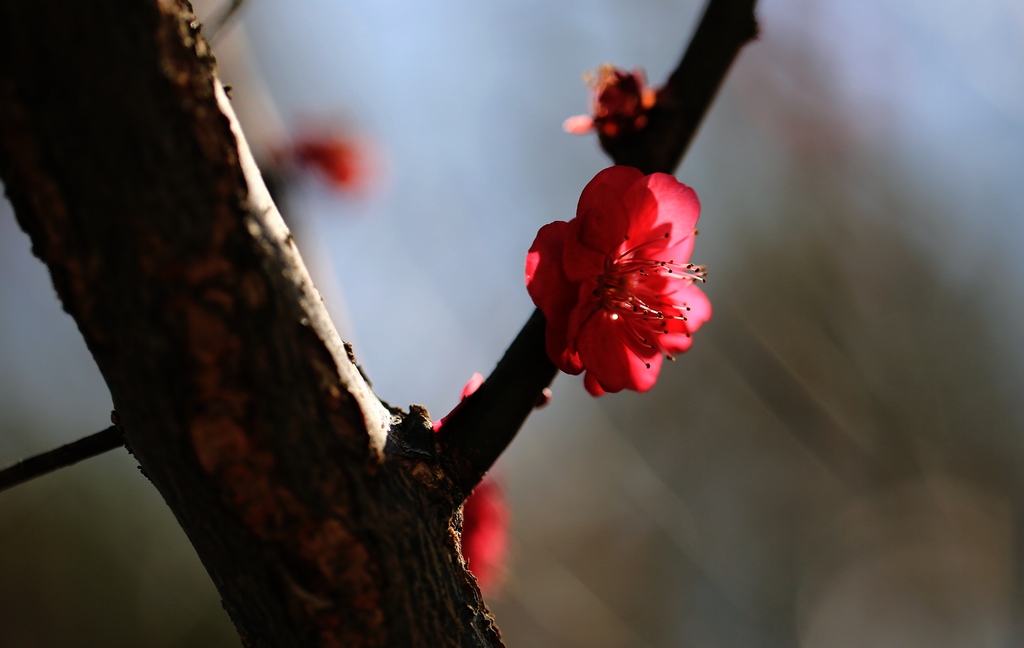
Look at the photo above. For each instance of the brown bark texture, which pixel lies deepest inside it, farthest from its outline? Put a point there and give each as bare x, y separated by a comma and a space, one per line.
324, 518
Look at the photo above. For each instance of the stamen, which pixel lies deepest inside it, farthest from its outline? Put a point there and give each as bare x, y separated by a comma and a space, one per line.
628, 291
634, 249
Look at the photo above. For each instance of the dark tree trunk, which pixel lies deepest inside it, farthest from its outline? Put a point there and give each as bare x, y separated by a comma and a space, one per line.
323, 518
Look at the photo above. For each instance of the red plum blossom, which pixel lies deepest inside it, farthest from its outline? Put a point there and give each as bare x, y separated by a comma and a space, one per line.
615, 283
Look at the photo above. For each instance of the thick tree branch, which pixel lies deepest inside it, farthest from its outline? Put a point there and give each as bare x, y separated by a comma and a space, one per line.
120, 155
475, 435
62, 457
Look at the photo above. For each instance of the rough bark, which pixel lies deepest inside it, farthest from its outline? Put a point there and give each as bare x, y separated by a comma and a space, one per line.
121, 159
323, 518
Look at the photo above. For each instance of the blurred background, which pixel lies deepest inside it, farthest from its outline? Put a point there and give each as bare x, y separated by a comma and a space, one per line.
835, 463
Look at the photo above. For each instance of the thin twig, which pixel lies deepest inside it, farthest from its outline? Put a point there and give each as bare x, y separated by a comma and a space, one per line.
480, 430
62, 457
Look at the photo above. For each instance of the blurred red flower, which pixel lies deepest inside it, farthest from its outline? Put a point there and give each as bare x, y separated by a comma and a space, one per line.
485, 521
615, 283
619, 101
485, 518
342, 161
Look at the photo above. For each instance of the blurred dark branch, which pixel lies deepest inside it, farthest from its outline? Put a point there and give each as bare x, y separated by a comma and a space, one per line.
475, 435
232, 387
62, 457
683, 101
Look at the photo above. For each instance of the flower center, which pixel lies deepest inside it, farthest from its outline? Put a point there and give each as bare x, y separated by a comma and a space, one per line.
641, 292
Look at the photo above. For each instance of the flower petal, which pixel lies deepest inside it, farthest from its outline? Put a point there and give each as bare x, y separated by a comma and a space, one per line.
618, 178
700, 305
552, 292
468, 390
679, 339
485, 521
593, 387
474, 383
578, 125
603, 217
605, 352
601, 222
580, 262
582, 310
545, 281
661, 205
